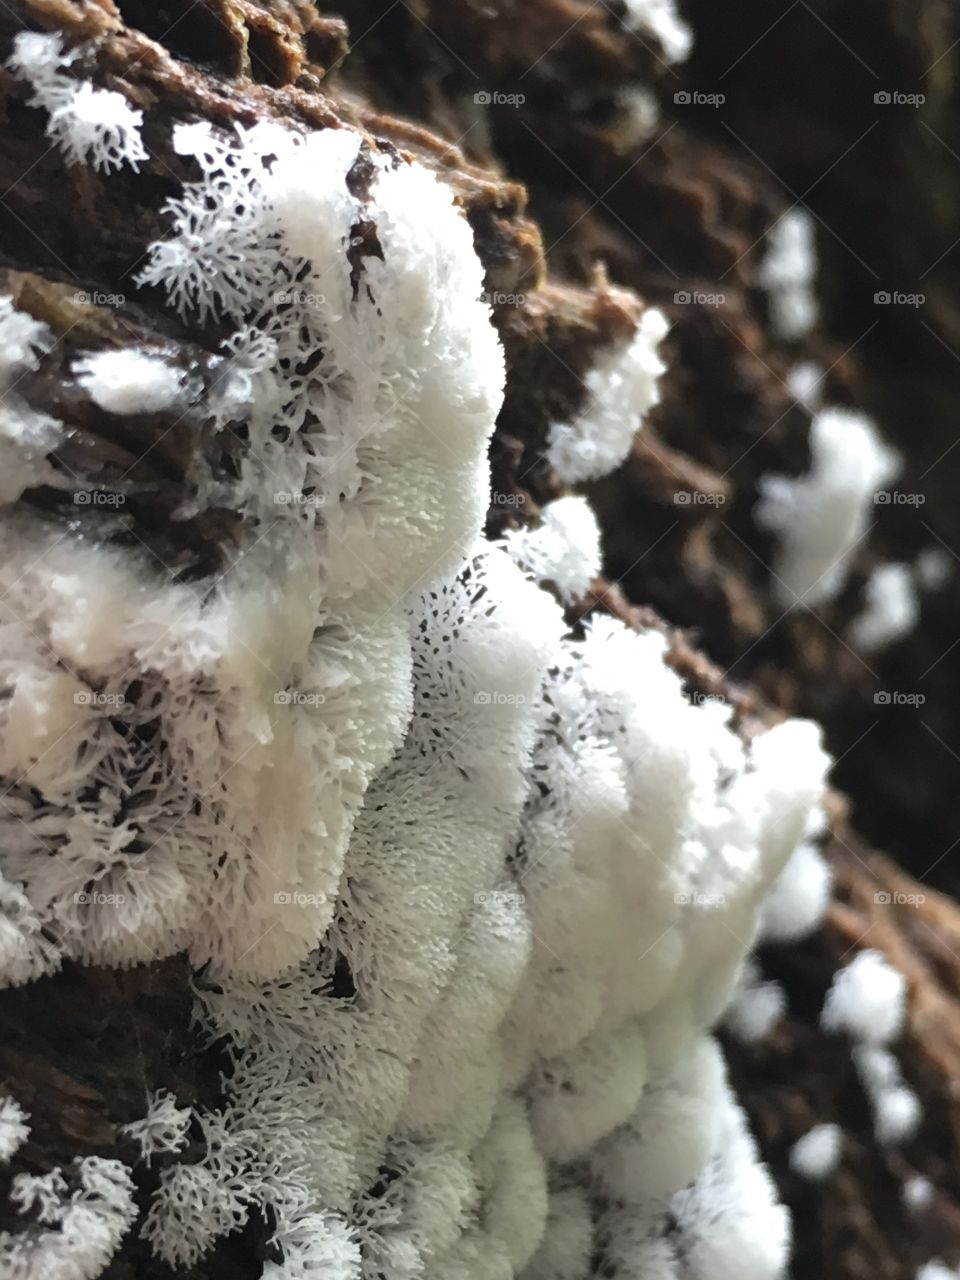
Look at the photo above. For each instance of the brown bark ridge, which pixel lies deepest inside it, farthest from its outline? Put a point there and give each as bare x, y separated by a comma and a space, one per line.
579, 225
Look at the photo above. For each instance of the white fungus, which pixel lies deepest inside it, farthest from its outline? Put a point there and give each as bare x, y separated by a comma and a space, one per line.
891, 608
471, 890
564, 549
90, 125
821, 516
934, 567
817, 1153
797, 902
788, 273
163, 1130
660, 18
620, 390
756, 1006
867, 999
14, 1129
127, 382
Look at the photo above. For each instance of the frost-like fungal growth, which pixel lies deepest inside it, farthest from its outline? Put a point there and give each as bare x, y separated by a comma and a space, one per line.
163, 1130
756, 1007
469, 889
867, 999
891, 609
731, 1226
817, 1153
934, 567
789, 272
26, 436
621, 389
806, 384
252, 716
89, 125
822, 516
85, 1226
660, 18
797, 903
14, 1129
128, 382
896, 1108
564, 550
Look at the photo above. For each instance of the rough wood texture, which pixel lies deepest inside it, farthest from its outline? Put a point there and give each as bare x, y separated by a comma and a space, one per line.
684, 210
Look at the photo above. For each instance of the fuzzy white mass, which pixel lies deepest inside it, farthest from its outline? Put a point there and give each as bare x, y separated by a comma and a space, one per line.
89, 125
817, 1153
564, 549
14, 1129
797, 902
867, 999
127, 382
619, 391
470, 890
821, 516
660, 18
788, 273
891, 608
83, 1229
